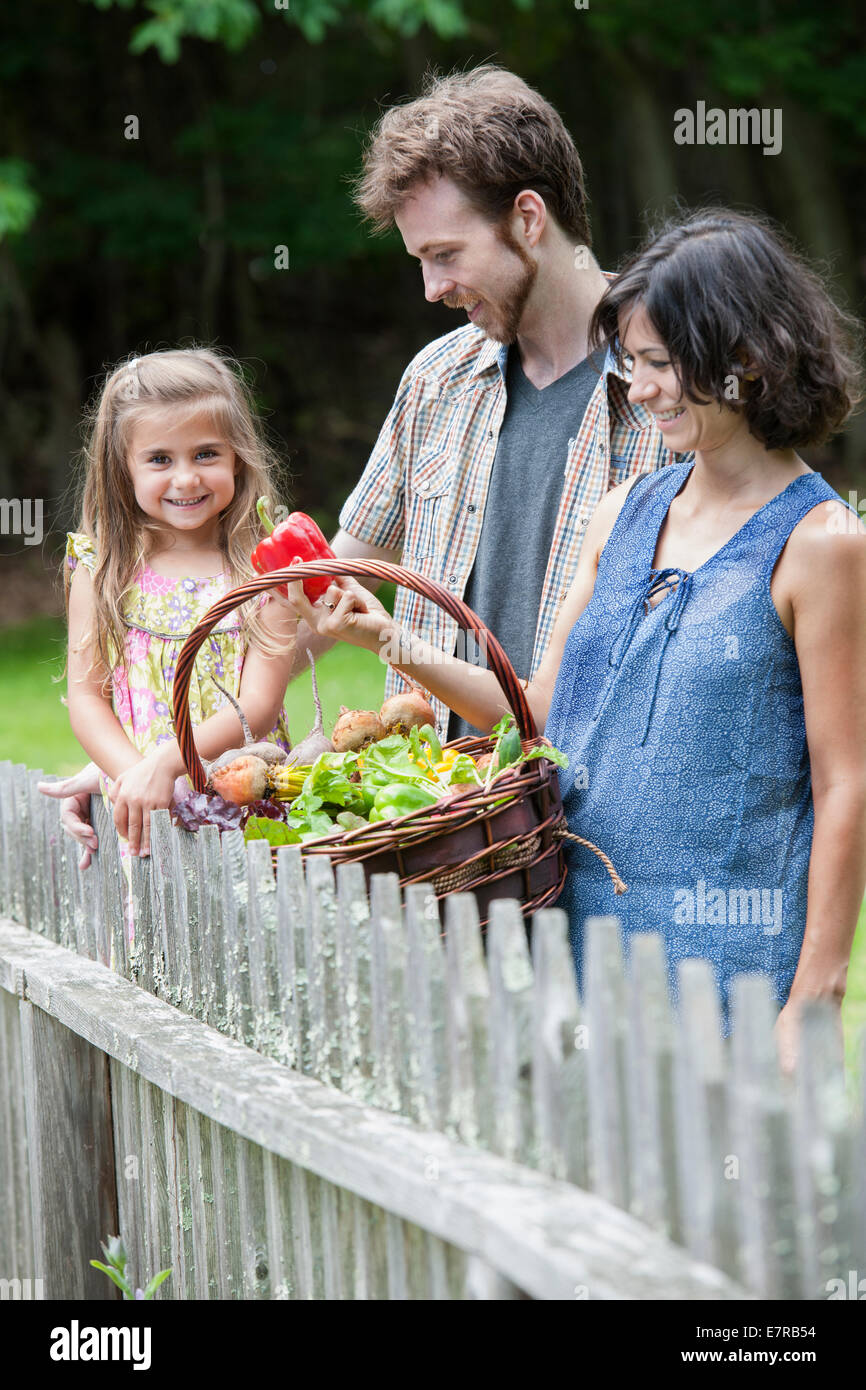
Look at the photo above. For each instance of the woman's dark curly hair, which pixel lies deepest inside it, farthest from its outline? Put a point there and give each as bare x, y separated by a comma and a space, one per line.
730, 298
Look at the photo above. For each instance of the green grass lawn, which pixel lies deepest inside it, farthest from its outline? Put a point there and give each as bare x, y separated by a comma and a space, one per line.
35, 725
35, 730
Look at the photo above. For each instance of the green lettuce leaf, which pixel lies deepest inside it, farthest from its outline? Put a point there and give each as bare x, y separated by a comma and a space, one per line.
276, 832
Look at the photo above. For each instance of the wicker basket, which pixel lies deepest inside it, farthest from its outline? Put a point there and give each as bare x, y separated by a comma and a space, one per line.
505, 842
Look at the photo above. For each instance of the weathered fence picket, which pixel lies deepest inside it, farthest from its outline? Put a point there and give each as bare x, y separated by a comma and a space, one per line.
650, 1052
355, 1217
227, 1211
707, 1174
387, 954
201, 1204
510, 972
126, 1119
267, 1025
608, 1106
16, 1224
829, 1160
208, 949
470, 1110
112, 938
234, 919
70, 1157
316, 1092
558, 1057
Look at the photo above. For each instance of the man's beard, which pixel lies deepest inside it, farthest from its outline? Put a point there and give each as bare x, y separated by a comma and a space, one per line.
511, 309
508, 311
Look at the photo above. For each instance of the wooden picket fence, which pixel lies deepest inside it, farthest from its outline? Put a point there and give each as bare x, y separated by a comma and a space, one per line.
287, 1089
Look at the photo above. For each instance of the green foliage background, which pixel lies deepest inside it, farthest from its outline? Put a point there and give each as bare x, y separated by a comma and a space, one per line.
251, 117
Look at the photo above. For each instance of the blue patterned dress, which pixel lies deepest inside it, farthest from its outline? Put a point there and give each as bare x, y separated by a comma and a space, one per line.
684, 728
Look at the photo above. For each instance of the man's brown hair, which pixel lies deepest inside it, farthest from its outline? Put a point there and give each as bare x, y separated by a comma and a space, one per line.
487, 131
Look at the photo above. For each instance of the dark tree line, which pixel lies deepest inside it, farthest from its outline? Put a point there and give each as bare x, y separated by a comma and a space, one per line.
250, 118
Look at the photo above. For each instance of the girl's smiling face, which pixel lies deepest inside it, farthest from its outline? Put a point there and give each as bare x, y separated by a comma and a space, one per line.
183, 472
684, 424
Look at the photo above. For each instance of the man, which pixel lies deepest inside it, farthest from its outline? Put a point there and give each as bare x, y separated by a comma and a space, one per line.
504, 435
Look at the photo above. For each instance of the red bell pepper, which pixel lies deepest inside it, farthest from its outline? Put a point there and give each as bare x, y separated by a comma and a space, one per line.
295, 540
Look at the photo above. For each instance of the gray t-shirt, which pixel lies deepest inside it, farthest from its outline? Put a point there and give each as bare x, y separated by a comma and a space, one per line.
520, 514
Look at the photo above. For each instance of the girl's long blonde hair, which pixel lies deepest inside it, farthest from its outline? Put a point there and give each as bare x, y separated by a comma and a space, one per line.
188, 380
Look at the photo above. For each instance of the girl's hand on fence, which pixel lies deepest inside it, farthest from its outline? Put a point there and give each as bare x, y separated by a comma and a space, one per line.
346, 611
146, 786
76, 792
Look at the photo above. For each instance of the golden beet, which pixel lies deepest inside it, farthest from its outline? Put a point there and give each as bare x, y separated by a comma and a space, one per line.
408, 711
355, 728
243, 781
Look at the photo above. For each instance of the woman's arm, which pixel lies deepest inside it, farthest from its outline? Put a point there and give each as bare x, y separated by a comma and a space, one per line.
824, 577
75, 793
470, 690
345, 547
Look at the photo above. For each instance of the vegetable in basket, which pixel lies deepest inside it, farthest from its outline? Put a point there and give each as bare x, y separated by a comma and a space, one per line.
399, 799
347, 790
406, 711
252, 748
241, 774
246, 774
393, 777
305, 753
508, 751
355, 728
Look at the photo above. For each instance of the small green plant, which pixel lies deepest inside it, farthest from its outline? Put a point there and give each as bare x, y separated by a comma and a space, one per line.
115, 1254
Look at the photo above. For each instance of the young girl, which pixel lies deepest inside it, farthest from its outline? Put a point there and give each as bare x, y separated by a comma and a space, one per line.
174, 466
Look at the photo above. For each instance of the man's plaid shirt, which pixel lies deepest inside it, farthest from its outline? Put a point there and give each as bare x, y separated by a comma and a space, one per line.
425, 485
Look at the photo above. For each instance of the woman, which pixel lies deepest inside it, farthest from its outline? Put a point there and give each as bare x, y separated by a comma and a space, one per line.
707, 671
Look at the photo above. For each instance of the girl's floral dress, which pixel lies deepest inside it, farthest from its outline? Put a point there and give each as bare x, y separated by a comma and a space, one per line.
160, 614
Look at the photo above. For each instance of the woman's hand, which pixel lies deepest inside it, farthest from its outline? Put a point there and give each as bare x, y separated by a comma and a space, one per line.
146, 786
76, 792
346, 611
787, 1033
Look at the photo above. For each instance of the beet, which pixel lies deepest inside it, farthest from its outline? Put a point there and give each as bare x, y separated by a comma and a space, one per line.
259, 748
403, 712
355, 728
244, 780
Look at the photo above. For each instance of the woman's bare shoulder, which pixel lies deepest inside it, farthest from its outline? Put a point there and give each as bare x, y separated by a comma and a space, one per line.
604, 518
826, 529
614, 500
825, 552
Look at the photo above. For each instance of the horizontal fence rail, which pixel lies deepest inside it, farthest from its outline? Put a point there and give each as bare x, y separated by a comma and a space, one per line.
551, 1236
299, 1090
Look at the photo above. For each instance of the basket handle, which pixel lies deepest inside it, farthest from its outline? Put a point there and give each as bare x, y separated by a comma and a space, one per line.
378, 569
